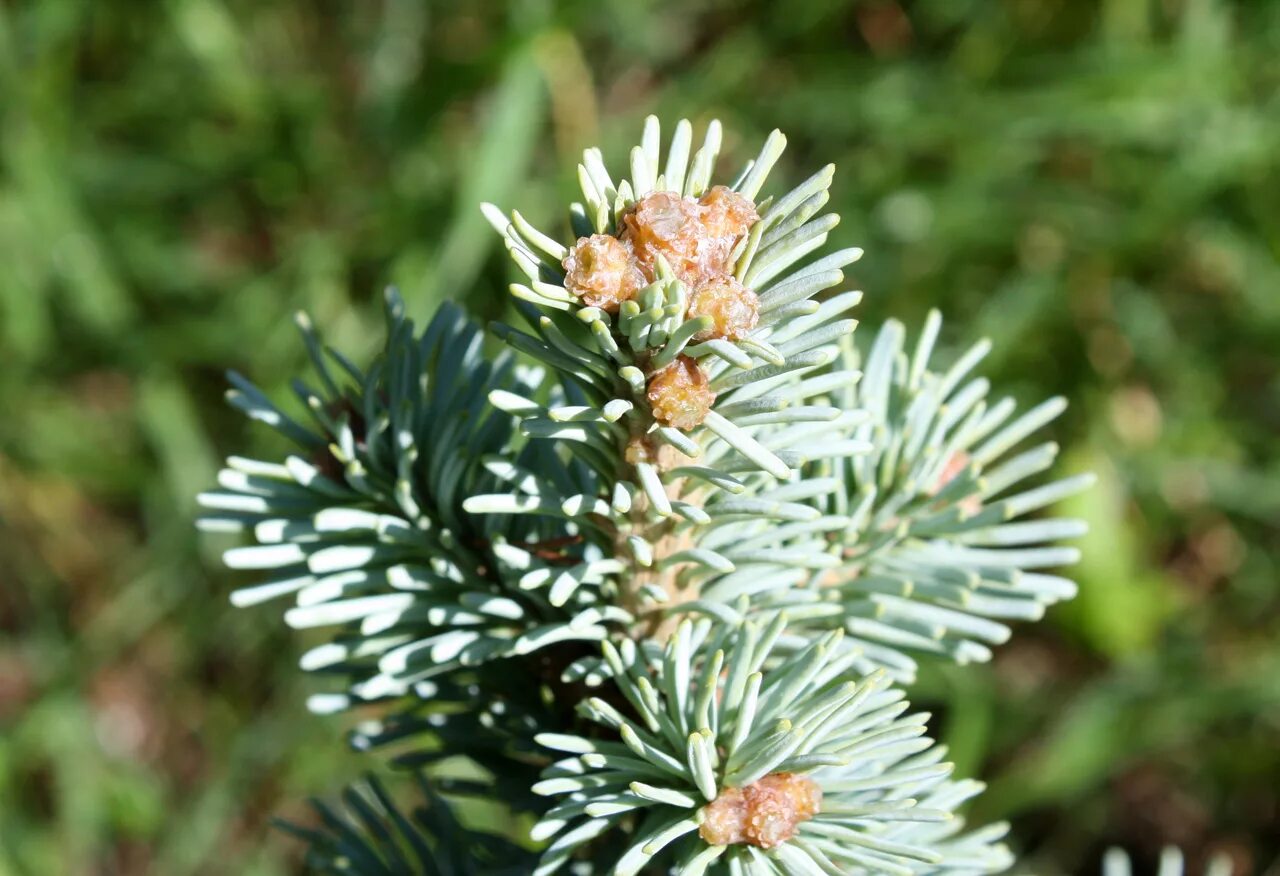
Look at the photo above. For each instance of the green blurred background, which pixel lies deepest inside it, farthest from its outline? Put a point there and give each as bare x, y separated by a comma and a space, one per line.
1094, 185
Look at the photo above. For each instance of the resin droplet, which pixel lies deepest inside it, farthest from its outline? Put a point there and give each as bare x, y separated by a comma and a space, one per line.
600, 270
734, 309
679, 394
763, 814
639, 449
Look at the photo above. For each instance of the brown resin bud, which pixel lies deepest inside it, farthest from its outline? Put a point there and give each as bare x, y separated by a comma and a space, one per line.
601, 271
696, 237
665, 224
734, 309
727, 214
726, 217
763, 814
679, 395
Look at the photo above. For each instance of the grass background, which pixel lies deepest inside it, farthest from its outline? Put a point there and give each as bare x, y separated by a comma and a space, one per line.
1094, 184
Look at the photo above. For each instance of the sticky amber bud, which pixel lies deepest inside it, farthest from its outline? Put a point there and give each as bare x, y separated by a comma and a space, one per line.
696, 237
763, 814
726, 217
600, 271
734, 309
665, 224
679, 395
728, 213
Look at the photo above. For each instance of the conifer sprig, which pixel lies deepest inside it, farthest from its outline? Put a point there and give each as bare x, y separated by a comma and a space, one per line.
933, 559
654, 569
365, 527
771, 416
838, 776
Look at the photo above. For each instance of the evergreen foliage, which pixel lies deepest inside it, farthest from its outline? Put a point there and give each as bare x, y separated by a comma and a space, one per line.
536, 568
372, 835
